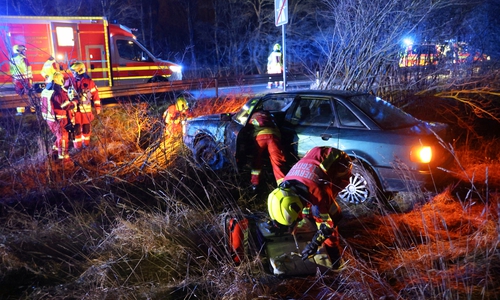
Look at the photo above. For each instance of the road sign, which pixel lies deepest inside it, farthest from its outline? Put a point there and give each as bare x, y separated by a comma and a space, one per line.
280, 12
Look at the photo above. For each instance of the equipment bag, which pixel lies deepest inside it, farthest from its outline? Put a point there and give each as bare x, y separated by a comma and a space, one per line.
237, 237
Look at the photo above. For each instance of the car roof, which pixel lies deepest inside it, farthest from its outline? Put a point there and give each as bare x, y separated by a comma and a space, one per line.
341, 93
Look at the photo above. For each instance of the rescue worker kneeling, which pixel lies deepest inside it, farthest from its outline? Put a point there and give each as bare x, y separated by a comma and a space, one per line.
56, 109
308, 191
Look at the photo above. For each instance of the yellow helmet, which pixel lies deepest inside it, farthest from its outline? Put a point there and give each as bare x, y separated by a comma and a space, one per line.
58, 78
277, 47
78, 67
18, 48
284, 206
181, 104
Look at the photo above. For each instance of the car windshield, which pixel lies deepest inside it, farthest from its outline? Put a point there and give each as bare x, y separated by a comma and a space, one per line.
386, 115
242, 116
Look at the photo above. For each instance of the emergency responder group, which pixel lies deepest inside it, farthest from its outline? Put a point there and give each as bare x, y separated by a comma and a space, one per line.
66, 105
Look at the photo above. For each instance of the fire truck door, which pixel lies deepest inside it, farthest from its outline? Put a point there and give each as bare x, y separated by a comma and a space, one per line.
66, 41
95, 58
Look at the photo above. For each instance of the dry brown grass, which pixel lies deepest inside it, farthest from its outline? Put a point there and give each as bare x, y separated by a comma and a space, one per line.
135, 218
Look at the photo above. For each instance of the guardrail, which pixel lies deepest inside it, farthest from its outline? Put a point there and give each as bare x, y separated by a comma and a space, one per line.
14, 100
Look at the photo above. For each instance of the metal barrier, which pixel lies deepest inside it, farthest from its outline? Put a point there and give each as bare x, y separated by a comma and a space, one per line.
14, 100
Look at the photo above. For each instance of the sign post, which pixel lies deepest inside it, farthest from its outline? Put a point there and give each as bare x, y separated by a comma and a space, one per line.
281, 19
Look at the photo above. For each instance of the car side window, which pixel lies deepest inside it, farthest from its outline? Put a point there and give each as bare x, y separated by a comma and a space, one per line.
313, 111
278, 104
347, 118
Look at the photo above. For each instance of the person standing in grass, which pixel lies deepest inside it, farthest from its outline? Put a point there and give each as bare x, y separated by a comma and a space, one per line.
175, 115
56, 108
307, 196
22, 76
87, 96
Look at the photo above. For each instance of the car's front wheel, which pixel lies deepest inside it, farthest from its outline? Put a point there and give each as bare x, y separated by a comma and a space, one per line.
157, 78
361, 188
207, 153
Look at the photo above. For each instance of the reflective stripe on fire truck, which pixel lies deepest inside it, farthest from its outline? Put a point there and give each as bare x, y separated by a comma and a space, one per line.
144, 68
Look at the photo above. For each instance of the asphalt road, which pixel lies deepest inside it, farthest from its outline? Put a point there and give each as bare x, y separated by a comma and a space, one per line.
254, 89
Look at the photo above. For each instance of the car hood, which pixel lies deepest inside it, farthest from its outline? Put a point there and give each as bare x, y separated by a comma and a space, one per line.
207, 118
212, 125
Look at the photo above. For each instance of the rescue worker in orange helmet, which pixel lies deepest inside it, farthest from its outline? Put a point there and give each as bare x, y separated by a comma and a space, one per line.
267, 137
307, 194
56, 109
20, 69
175, 115
87, 95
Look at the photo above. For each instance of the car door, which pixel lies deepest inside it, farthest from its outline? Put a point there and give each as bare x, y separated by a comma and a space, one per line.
314, 124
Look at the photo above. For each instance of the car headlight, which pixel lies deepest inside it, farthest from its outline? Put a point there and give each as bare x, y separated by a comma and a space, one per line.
421, 154
176, 69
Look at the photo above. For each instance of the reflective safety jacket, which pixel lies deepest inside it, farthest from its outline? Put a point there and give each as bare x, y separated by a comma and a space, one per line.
20, 68
55, 104
274, 63
263, 123
87, 92
315, 171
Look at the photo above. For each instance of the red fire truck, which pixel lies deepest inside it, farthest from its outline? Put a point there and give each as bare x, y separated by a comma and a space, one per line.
419, 55
110, 52
449, 52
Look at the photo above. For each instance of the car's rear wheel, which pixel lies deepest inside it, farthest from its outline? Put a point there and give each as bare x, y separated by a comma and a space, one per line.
362, 186
207, 153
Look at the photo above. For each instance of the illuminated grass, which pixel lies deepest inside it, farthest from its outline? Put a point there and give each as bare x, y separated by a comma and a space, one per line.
136, 218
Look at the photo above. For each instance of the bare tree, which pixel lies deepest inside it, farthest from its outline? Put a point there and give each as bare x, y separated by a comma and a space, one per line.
190, 7
361, 45
262, 29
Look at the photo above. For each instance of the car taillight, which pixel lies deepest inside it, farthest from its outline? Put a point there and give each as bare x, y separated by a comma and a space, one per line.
421, 154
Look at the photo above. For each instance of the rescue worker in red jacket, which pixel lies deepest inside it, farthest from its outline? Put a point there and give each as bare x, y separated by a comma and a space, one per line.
56, 109
307, 194
175, 115
88, 95
20, 69
267, 138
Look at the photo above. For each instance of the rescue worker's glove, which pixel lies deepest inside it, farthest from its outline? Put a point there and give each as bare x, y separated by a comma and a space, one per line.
321, 235
309, 250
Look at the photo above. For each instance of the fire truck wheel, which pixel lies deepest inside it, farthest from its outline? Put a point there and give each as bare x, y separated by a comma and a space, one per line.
157, 79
